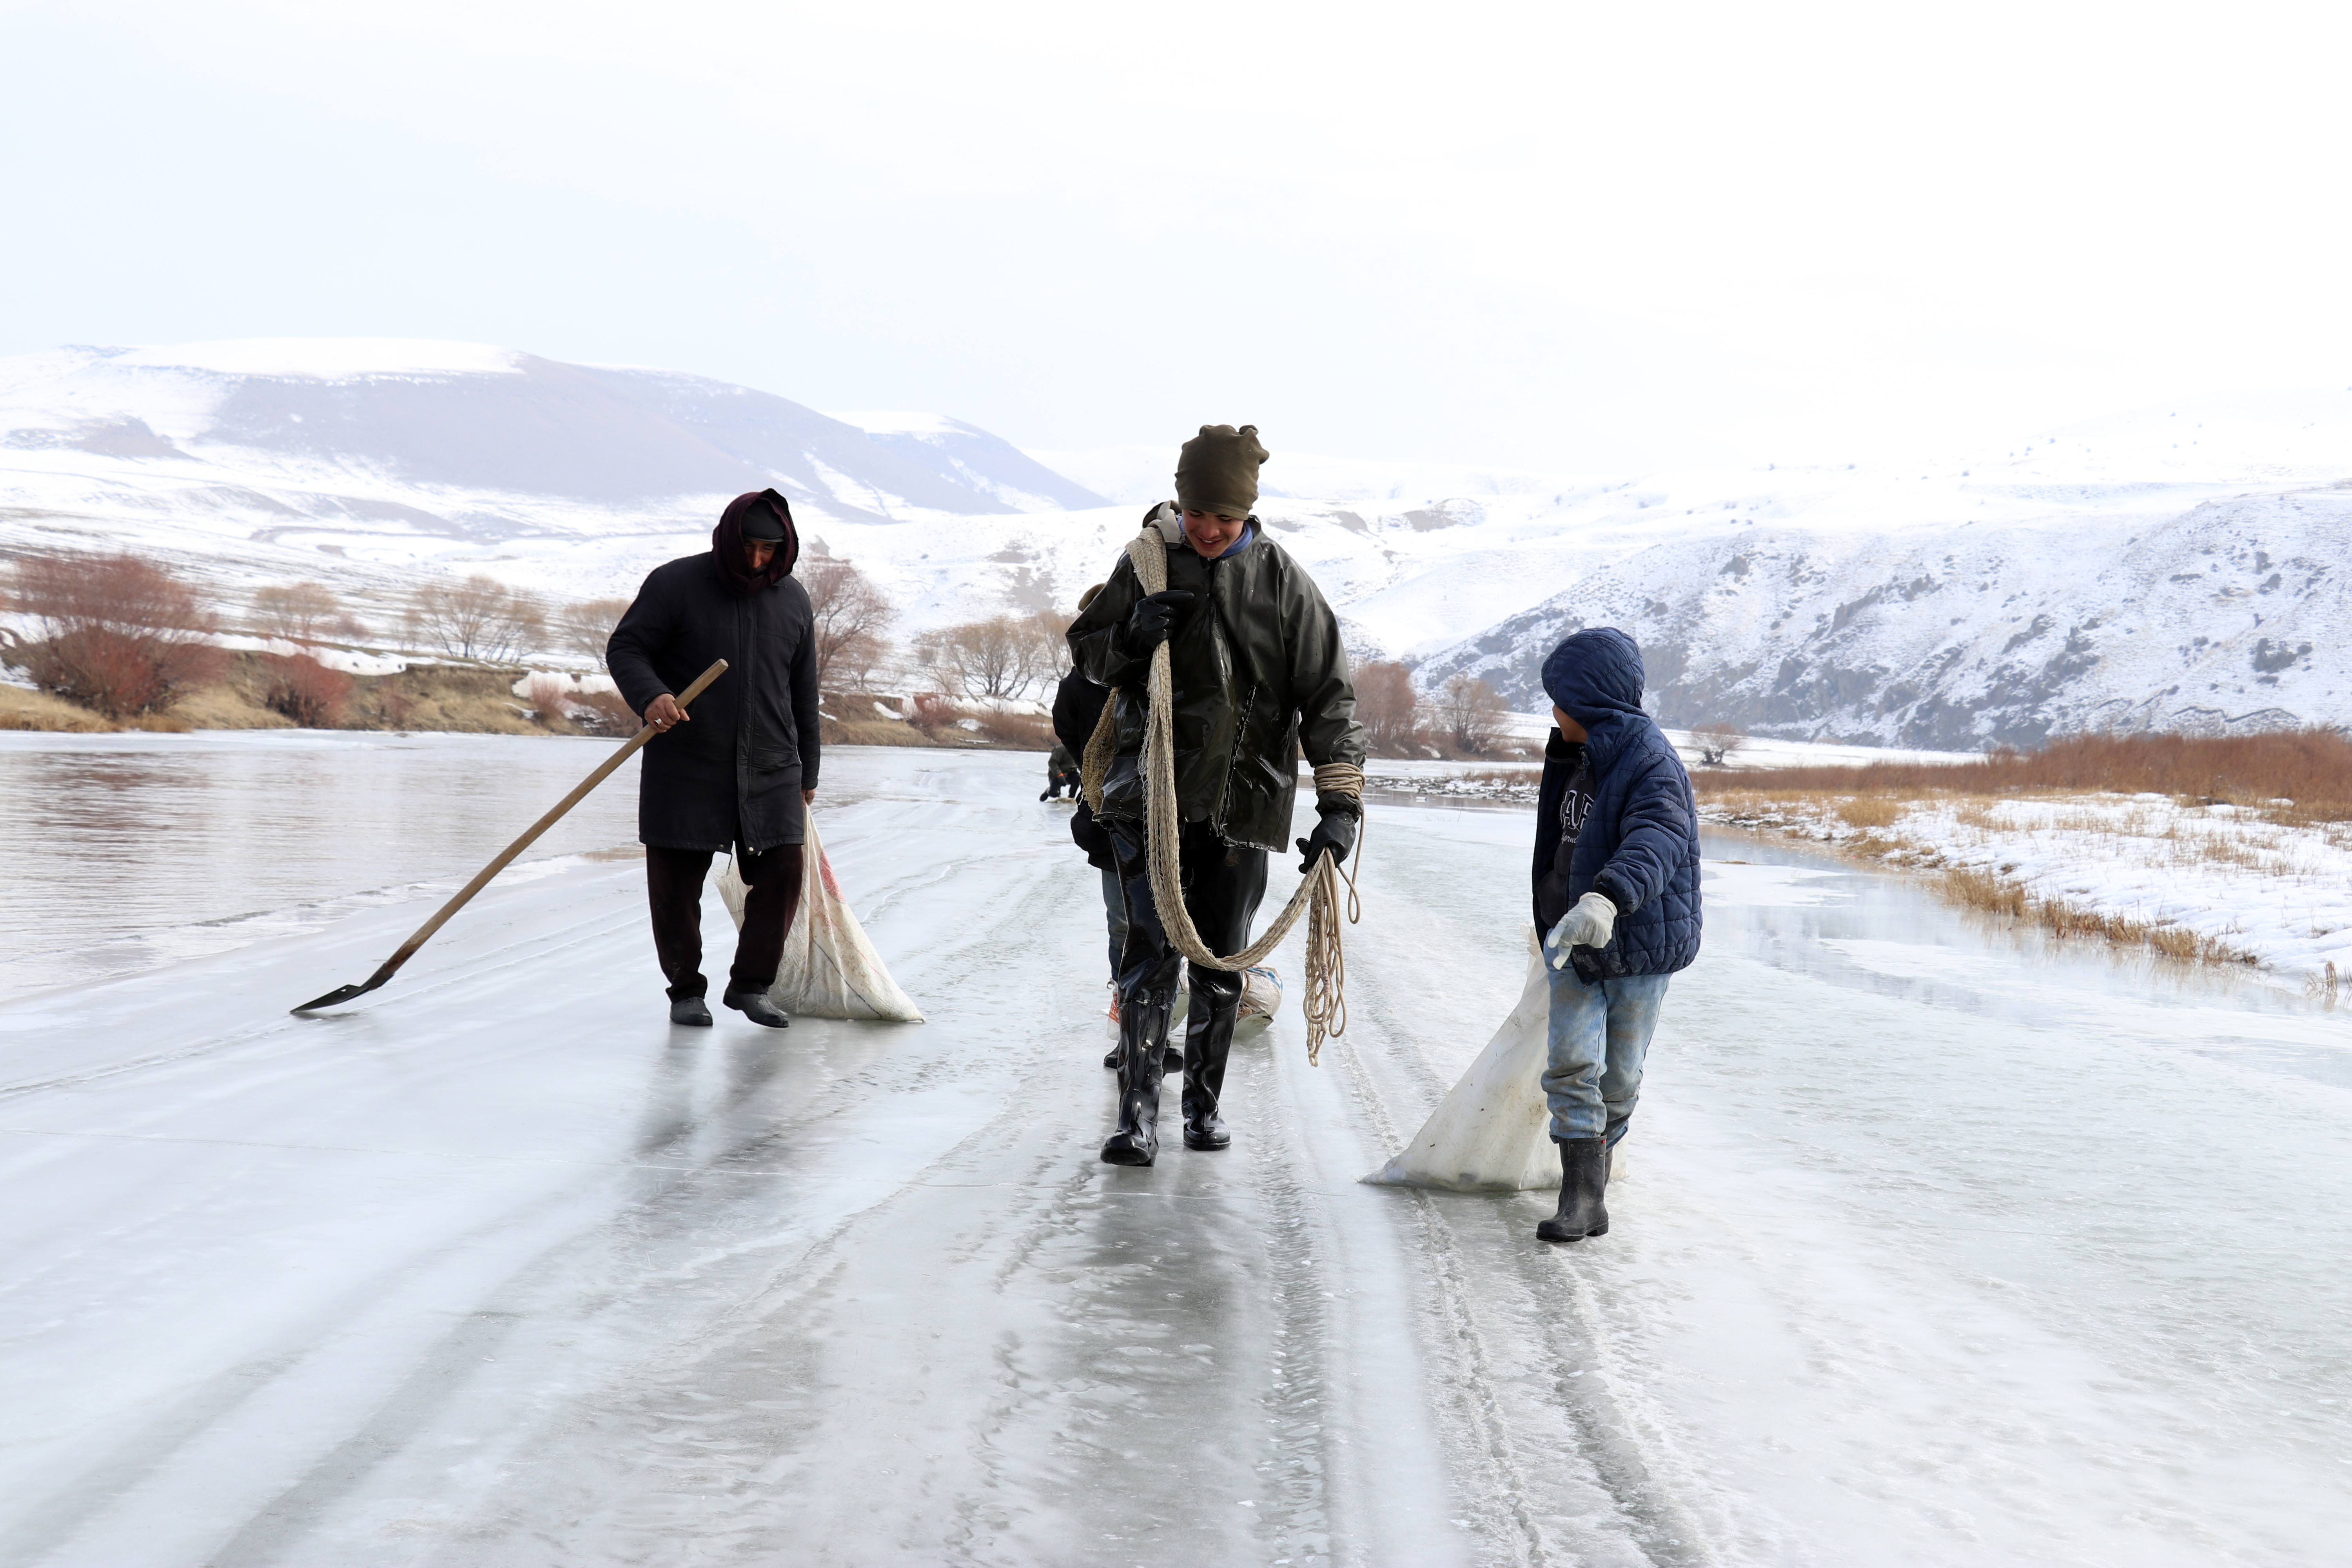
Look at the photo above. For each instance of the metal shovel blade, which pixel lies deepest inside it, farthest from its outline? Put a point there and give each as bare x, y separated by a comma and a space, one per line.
335, 998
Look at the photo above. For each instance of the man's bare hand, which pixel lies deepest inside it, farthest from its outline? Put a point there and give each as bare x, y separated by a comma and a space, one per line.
663, 712
807, 796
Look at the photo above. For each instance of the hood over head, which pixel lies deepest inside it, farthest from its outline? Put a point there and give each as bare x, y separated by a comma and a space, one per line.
727, 543
1595, 676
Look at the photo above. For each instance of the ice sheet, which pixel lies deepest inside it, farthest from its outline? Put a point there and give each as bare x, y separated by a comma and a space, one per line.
1946, 1245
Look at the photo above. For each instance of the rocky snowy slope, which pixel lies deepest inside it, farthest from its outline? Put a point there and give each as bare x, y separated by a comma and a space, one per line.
2174, 567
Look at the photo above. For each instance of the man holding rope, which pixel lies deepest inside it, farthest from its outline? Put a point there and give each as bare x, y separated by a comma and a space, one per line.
1257, 674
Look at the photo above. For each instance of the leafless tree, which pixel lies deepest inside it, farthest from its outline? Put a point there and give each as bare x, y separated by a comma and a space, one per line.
1051, 658
1386, 707
119, 634
298, 612
480, 617
852, 618
585, 626
994, 657
1470, 715
1715, 742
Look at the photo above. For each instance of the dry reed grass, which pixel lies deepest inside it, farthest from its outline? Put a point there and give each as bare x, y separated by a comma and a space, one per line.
1868, 811
1990, 893
2309, 770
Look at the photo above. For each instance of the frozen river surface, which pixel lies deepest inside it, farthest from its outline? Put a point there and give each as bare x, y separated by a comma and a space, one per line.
1937, 1247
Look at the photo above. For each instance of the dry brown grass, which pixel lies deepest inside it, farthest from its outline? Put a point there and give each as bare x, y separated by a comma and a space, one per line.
2016, 795
1869, 811
1990, 893
44, 710
2311, 769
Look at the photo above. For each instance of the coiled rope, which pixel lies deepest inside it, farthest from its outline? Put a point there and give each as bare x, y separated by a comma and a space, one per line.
1324, 1001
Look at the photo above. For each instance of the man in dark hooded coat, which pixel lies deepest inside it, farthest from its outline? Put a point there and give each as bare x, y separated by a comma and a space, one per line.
736, 773
1616, 887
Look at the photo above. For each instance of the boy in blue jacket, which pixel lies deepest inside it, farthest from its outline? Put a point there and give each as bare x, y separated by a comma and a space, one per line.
1616, 889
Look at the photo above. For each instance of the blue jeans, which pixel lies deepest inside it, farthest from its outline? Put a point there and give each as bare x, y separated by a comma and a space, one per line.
1598, 1036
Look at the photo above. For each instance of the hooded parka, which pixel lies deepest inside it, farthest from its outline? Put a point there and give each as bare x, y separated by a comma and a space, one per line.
1259, 674
1639, 845
734, 772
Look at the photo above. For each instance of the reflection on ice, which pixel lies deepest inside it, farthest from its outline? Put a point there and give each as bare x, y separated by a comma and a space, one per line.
1949, 1245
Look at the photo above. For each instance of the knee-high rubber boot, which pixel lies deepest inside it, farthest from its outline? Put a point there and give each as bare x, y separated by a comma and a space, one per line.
1208, 1041
1583, 1178
1142, 1037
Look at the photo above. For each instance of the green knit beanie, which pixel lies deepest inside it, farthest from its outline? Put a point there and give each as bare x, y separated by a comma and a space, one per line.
1218, 470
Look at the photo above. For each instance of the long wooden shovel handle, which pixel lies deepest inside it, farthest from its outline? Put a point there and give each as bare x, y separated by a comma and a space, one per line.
555, 813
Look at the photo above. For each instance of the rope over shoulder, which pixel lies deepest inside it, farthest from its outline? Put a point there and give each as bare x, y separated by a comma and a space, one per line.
1324, 1001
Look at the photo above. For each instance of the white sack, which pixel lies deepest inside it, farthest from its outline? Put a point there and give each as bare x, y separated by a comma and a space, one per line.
1261, 992
830, 969
1493, 1133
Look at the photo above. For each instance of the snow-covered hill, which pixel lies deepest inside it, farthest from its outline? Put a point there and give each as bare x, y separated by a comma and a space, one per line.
2178, 567
258, 459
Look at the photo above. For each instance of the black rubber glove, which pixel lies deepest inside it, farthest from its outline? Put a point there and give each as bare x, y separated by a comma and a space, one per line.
1148, 624
1334, 831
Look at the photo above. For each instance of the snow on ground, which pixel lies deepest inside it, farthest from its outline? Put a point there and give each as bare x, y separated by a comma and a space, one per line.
2279, 891
2172, 567
498, 1268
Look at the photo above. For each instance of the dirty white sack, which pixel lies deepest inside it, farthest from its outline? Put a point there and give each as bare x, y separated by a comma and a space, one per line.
1261, 992
830, 969
1492, 1132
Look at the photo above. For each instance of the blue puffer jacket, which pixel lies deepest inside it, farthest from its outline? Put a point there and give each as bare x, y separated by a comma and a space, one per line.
1639, 844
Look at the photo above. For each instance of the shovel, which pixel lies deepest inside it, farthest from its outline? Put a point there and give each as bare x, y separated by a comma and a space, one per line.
343, 993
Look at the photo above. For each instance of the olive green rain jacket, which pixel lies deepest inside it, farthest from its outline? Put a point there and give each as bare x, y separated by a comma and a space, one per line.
1259, 674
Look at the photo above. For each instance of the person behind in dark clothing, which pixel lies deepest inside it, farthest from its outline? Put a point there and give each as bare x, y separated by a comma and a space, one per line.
1258, 674
1616, 876
1077, 709
1061, 772
736, 774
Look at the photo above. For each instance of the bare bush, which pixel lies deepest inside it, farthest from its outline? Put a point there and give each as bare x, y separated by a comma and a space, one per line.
609, 712
118, 634
850, 616
550, 698
585, 627
995, 658
932, 712
1715, 742
1386, 707
298, 612
480, 617
1469, 716
307, 691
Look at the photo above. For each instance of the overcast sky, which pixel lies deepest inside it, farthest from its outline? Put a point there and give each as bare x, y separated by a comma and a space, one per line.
1562, 235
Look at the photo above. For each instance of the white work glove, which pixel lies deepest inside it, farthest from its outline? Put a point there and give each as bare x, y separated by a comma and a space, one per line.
1590, 923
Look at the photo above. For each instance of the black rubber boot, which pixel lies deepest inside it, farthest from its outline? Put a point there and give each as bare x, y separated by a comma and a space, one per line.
1583, 1178
1142, 1031
692, 1011
1208, 1041
1171, 1062
755, 1006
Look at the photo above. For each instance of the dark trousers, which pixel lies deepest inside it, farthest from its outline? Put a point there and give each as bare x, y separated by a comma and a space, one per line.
1223, 884
674, 890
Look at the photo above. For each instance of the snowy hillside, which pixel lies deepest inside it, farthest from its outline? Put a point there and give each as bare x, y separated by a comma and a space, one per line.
2180, 566
2173, 570
254, 460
